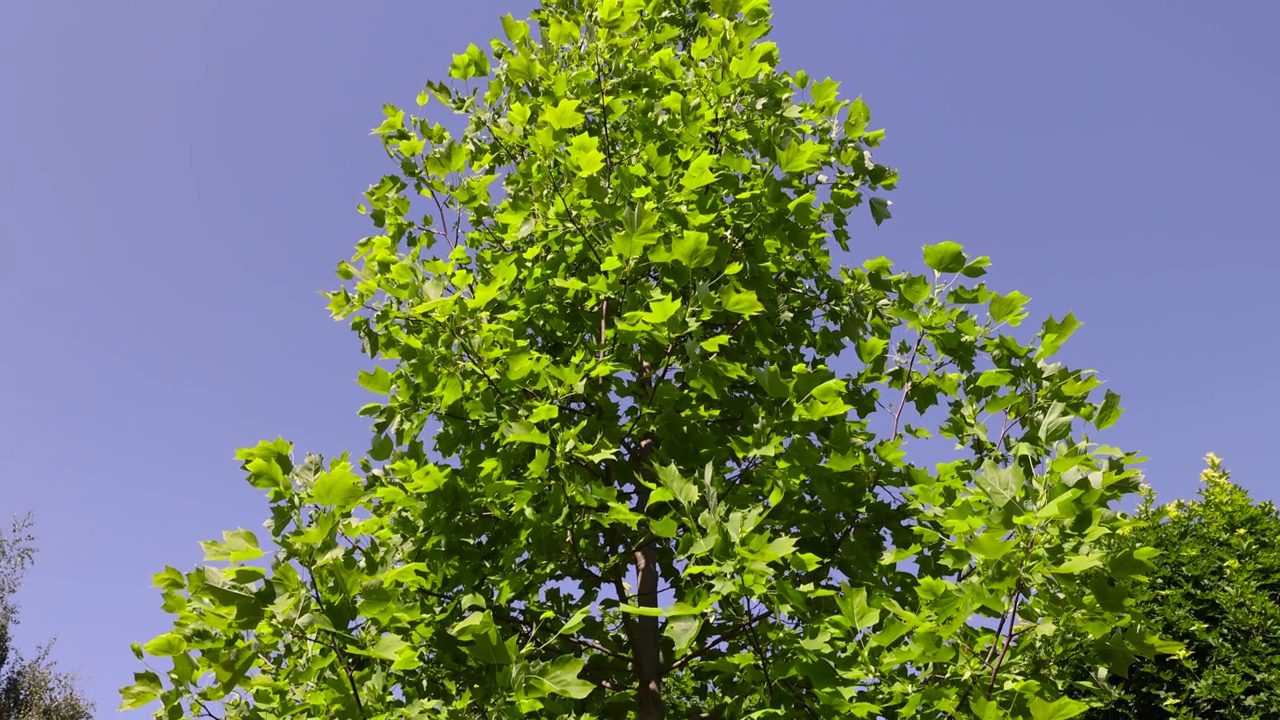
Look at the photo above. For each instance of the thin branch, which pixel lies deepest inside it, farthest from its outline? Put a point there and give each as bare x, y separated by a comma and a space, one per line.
722, 638
595, 646
444, 225
204, 709
342, 657
906, 386
1013, 615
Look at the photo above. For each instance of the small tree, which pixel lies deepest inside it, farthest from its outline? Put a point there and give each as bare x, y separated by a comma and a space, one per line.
639, 449
1215, 587
30, 689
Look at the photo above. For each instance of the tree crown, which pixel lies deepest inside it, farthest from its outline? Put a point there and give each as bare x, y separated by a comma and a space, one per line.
639, 447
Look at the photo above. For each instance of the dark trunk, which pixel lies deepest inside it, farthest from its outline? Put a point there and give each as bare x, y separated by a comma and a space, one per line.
647, 643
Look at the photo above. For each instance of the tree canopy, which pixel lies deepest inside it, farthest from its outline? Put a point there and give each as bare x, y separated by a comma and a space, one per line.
641, 447
30, 688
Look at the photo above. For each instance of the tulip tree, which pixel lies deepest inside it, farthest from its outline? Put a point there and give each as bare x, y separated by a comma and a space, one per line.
640, 448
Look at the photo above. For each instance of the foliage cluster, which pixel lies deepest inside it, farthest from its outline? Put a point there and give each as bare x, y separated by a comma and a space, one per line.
31, 688
640, 448
1215, 587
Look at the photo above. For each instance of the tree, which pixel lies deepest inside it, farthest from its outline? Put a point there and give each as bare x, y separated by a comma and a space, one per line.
638, 448
1215, 587
30, 689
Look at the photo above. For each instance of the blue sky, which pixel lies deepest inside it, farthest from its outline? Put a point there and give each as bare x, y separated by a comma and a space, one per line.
178, 181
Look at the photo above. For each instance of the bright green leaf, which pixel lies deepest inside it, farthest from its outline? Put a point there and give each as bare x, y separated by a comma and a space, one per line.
945, 257
378, 381
165, 645
1060, 709
563, 115
699, 172
339, 488
693, 249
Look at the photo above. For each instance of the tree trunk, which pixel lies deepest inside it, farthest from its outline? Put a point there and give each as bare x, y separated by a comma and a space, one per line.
647, 643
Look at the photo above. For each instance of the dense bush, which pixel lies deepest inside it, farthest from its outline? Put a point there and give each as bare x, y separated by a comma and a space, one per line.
1216, 588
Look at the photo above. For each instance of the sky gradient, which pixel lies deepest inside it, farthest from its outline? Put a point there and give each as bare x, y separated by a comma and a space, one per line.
179, 180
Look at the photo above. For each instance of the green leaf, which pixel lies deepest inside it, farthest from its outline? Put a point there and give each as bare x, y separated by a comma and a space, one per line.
682, 631
525, 432
393, 123
1108, 412
387, 648
871, 348
1077, 564
916, 288
713, 344
378, 381
1060, 709
1061, 507
1001, 484
643, 611
1008, 308
166, 645
242, 545
584, 150
145, 688
1056, 424
995, 378
576, 621
563, 115
682, 489
699, 172
477, 623
945, 257
564, 32
740, 302
824, 92
664, 527
990, 545
801, 157
1053, 333
661, 309
693, 249
828, 391
880, 209
639, 232
339, 488
976, 267
516, 30
856, 610
317, 620
857, 119
561, 678
1130, 563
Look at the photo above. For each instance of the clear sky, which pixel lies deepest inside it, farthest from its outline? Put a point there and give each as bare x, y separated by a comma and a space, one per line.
179, 180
